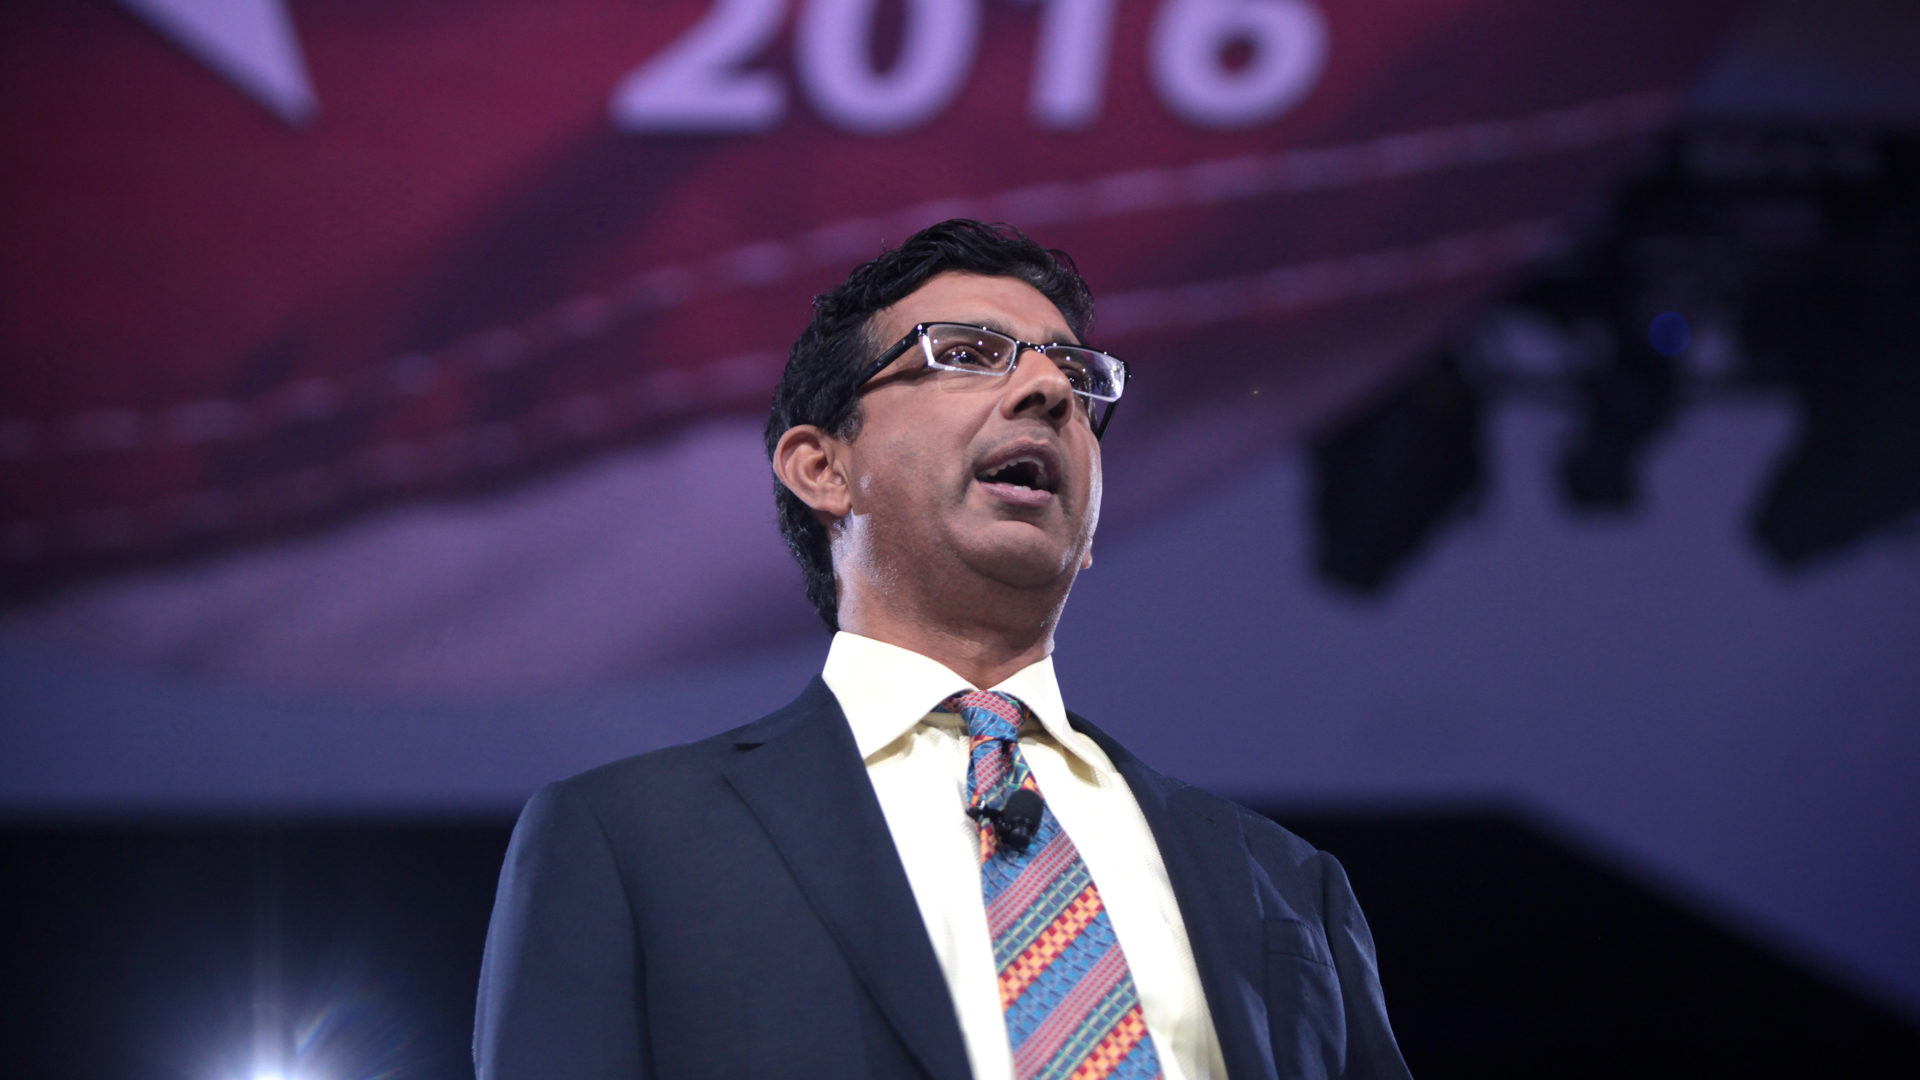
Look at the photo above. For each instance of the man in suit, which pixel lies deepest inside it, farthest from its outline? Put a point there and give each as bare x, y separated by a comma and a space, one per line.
925, 866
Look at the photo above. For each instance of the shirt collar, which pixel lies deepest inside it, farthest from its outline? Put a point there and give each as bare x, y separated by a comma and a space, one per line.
885, 690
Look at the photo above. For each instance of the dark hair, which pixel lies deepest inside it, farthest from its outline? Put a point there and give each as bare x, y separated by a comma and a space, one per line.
817, 386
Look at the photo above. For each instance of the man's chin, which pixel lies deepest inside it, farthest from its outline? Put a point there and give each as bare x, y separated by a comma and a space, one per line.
1021, 555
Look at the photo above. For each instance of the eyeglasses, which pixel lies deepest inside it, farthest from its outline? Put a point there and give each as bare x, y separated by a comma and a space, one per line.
976, 350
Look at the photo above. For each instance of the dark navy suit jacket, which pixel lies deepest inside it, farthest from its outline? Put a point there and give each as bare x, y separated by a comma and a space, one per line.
735, 907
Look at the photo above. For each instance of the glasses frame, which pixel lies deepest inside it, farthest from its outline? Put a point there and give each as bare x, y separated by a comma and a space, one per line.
918, 336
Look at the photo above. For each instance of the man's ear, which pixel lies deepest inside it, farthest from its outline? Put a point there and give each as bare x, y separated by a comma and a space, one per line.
807, 461
1086, 558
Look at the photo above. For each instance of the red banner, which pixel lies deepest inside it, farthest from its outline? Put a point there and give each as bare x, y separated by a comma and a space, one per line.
269, 265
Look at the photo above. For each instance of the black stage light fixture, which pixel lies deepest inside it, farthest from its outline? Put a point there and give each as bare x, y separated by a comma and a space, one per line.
1388, 476
1622, 405
1846, 343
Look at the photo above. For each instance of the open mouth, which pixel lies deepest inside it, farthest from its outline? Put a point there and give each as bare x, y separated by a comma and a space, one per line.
1021, 472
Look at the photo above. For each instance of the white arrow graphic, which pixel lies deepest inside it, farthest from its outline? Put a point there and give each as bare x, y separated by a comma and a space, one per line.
250, 43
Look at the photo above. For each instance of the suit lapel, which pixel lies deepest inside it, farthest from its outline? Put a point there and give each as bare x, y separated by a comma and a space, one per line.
801, 775
1205, 851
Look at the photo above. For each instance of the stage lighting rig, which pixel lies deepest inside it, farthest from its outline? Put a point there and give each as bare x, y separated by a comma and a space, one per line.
1386, 479
1795, 249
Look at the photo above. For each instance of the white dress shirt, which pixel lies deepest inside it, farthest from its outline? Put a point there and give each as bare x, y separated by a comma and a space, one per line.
917, 760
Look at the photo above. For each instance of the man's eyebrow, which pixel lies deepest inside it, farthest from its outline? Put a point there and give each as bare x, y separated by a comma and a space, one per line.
1056, 336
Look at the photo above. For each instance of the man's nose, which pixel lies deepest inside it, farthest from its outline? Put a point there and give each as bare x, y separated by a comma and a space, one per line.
1040, 386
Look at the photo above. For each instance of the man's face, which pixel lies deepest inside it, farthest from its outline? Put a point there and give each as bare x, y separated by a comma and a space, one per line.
955, 477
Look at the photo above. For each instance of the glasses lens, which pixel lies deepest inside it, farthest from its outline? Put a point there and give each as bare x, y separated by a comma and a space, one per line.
1094, 374
968, 348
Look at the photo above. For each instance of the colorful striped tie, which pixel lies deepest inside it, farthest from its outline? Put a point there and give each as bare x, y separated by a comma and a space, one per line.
1072, 1009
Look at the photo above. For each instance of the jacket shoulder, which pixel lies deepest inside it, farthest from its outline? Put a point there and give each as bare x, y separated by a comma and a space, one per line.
1273, 845
684, 769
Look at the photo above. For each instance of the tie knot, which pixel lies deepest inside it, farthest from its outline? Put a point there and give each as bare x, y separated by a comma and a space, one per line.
988, 714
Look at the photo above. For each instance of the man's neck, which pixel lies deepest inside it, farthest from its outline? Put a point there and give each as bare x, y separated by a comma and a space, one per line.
985, 654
